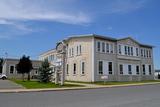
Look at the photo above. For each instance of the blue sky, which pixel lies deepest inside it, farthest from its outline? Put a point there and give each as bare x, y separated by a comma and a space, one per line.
33, 26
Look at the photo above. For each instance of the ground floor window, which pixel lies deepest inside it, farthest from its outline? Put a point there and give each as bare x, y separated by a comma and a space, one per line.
150, 69
143, 69
100, 67
110, 67
67, 69
82, 67
137, 70
129, 69
74, 68
121, 68
11, 69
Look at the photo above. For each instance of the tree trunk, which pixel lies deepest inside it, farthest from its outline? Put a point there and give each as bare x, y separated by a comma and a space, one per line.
23, 76
28, 76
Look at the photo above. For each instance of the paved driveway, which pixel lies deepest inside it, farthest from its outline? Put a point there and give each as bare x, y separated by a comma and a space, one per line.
6, 84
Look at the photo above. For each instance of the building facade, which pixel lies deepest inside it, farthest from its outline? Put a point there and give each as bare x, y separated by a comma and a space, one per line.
91, 57
9, 68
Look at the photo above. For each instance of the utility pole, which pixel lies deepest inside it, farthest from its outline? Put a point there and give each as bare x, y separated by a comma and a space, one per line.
61, 49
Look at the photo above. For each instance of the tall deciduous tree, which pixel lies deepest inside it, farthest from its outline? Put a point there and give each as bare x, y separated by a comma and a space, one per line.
24, 66
45, 71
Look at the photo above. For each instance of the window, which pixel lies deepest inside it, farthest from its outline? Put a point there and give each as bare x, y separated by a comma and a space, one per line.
137, 70
11, 69
98, 46
150, 69
144, 70
129, 69
74, 68
142, 52
147, 53
82, 67
128, 50
120, 51
80, 49
67, 69
77, 51
72, 52
110, 67
150, 53
132, 51
103, 47
137, 52
125, 50
100, 67
111, 48
107, 47
121, 68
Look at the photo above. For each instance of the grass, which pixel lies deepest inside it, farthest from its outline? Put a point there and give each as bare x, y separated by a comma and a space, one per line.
116, 82
36, 84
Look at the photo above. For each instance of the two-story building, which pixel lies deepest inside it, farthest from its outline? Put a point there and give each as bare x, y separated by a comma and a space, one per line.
90, 57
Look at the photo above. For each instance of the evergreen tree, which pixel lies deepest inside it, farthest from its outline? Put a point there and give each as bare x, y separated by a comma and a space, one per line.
45, 72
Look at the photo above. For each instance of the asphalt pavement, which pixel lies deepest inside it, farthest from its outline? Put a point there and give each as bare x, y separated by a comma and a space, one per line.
6, 84
134, 96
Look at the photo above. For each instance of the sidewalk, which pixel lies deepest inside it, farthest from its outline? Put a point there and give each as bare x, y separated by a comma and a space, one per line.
86, 86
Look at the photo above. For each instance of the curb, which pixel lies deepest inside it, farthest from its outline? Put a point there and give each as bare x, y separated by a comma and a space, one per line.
73, 88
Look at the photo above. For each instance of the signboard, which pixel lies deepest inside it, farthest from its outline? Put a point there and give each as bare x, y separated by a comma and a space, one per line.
104, 77
60, 47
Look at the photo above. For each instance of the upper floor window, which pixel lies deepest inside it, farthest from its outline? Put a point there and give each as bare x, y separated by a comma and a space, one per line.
132, 51
119, 49
125, 47
128, 50
107, 47
103, 47
142, 52
98, 46
150, 53
111, 48
137, 52
77, 50
72, 51
80, 49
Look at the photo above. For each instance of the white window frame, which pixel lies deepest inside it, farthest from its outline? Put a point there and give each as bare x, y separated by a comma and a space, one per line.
82, 68
14, 69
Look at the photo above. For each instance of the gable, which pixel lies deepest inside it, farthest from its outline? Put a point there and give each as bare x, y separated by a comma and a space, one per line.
128, 41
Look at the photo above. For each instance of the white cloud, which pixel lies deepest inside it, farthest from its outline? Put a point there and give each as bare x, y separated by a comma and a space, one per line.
40, 10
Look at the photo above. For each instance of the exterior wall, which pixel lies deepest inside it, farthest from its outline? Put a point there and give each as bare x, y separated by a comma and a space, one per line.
86, 56
15, 74
106, 57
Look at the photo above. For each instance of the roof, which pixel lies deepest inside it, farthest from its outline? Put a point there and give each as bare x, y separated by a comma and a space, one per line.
91, 35
143, 45
48, 51
14, 59
107, 38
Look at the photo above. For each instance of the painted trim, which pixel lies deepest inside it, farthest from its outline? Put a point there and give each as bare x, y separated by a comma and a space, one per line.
93, 59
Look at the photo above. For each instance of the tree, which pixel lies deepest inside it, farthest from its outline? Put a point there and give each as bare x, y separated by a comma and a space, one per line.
45, 72
1, 66
24, 66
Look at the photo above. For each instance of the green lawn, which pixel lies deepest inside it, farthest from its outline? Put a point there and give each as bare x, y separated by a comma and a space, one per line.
36, 84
